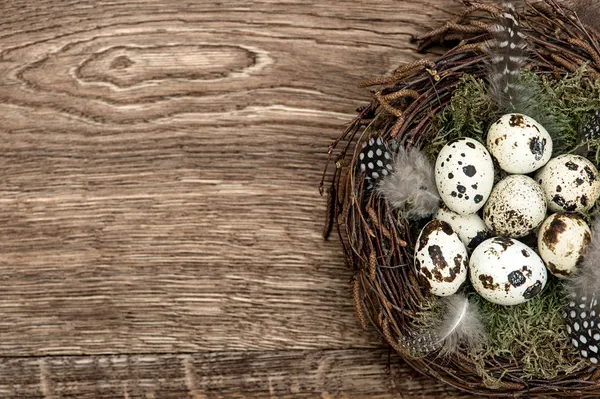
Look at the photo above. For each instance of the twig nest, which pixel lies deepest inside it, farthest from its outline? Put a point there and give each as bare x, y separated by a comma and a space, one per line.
464, 175
506, 271
470, 228
561, 241
522, 60
570, 183
516, 207
441, 258
519, 144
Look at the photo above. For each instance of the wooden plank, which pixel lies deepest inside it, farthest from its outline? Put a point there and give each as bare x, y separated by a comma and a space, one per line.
159, 170
159, 212
282, 374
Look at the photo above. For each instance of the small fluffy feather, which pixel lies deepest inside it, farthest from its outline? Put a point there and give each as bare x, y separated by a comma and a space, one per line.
587, 281
507, 54
411, 184
460, 324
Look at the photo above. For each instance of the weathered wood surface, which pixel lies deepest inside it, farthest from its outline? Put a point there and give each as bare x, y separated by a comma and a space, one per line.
283, 374
160, 226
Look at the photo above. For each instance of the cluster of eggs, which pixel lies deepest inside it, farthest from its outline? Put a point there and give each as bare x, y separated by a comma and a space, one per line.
475, 233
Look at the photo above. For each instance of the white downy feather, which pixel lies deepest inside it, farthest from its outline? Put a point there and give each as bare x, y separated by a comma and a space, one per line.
460, 324
411, 185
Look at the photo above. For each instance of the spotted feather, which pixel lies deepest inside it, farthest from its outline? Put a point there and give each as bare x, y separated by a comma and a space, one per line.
507, 54
376, 161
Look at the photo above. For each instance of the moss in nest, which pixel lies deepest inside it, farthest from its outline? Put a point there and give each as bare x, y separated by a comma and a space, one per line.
469, 108
534, 333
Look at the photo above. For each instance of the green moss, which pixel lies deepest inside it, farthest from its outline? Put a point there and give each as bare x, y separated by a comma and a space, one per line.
468, 114
531, 336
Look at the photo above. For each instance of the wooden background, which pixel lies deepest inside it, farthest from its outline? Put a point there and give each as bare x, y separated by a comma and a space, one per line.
160, 224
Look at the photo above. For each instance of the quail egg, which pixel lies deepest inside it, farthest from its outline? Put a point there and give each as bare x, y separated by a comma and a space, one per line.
519, 144
561, 241
464, 175
440, 258
506, 271
515, 207
570, 183
470, 228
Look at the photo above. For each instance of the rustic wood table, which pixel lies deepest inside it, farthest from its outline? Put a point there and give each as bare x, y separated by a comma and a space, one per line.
160, 224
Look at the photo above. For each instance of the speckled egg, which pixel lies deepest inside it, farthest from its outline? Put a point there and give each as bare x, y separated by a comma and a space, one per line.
519, 144
440, 258
561, 241
464, 175
506, 271
570, 183
470, 228
515, 207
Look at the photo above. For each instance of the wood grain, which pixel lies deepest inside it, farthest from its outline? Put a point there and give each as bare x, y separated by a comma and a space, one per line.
283, 374
158, 195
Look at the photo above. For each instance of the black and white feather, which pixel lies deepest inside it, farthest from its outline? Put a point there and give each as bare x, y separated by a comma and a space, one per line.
460, 324
508, 56
587, 132
582, 312
590, 130
411, 186
376, 160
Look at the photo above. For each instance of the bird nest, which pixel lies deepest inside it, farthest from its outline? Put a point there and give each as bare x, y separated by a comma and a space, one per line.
423, 105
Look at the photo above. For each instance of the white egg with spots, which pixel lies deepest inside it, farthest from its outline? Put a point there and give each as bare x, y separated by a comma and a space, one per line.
470, 228
516, 207
464, 175
519, 144
506, 271
562, 238
441, 258
570, 183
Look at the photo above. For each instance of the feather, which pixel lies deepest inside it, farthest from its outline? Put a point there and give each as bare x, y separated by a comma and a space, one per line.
588, 12
375, 159
591, 129
411, 184
508, 90
586, 132
582, 312
460, 324
587, 281
507, 54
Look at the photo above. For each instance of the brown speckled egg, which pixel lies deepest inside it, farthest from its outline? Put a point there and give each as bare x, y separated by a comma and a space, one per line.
519, 144
516, 207
470, 228
440, 258
561, 241
570, 183
506, 271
